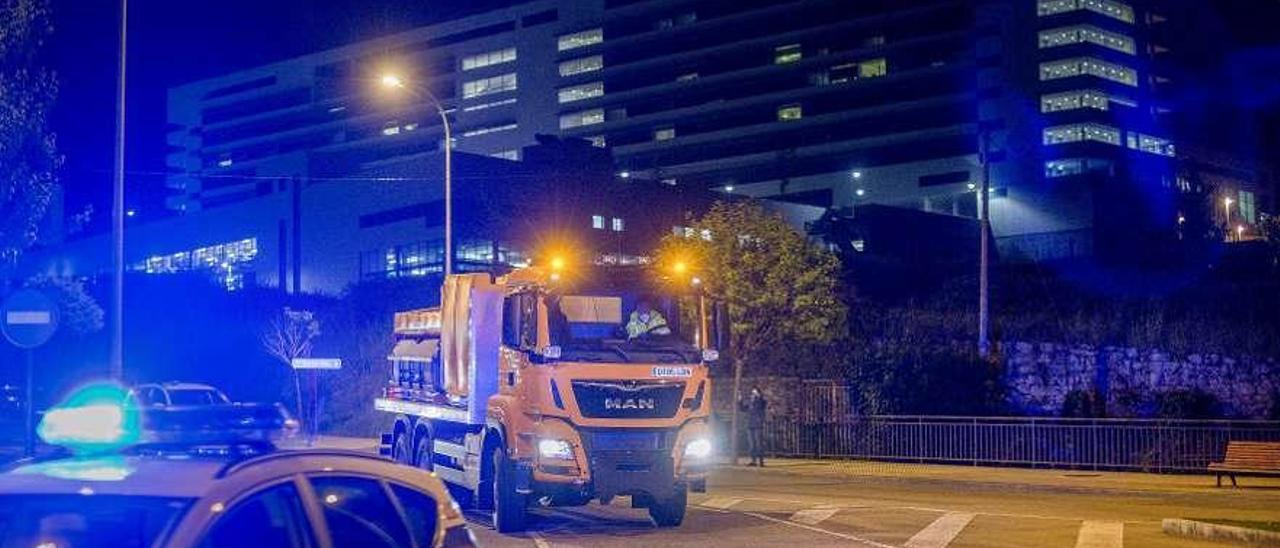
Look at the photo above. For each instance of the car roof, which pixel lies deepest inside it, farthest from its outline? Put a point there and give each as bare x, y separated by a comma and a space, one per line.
182, 476
176, 385
160, 476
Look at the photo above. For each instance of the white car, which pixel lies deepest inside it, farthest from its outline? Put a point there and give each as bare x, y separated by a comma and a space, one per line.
312, 498
177, 394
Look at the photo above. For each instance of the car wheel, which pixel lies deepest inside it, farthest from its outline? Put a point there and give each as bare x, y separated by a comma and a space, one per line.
509, 508
669, 512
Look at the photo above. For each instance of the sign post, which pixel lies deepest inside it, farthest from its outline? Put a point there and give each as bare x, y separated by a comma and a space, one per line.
315, 365
29, 319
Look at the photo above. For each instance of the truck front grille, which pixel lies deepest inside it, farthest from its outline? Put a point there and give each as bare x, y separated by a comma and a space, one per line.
628, 399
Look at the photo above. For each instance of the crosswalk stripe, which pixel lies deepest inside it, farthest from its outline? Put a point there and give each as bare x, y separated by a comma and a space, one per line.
721, 503
814, 516
1101, 534
941, 532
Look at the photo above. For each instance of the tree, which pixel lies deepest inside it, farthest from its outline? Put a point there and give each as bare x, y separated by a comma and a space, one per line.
291, 335
80, 313
29, 159
1270, 226
780, 289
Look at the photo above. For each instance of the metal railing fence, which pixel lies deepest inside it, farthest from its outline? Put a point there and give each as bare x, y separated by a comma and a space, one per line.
1104, 444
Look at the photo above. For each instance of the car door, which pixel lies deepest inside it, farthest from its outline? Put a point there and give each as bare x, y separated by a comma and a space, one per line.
273, 516
359, 511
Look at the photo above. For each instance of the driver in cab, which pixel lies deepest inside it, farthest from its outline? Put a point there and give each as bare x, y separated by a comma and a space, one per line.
645, 321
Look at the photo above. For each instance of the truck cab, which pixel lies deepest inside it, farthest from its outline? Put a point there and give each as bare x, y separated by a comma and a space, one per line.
547, 387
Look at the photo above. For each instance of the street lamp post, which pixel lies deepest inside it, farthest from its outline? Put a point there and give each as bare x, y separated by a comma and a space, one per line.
1226, 219
116, 358
393, 81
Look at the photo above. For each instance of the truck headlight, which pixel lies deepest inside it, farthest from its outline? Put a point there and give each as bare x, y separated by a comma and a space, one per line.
555, 449
698, 449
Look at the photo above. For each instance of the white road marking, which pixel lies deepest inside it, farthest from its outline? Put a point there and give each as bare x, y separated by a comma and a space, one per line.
720, 503
941, 532
538, 541
853, 538
815, 515
1101, 534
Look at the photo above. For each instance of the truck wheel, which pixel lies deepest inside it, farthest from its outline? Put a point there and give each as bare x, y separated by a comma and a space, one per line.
401, 450
423, 457
508, 505
669, 512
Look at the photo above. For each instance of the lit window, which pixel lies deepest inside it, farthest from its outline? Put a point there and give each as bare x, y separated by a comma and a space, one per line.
513, 155
580, 39
1067, 68
872, 68
490, 129
1150, 143
1110, 8
1072, 100
687, 77
495, 57
1075, 166
1052, 38
617, 224
597, 222
1072, 133
580, 92
664, 134
225, 162
1248, 207
790, 112
491, 104
581, 65
669, 181
787, 54
391, 130
227, 262
584, 118
487, 86
598, 141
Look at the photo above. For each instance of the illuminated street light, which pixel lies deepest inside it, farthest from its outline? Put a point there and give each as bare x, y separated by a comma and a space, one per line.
973, 186
860, 192
728, 188
394, 81
857, 174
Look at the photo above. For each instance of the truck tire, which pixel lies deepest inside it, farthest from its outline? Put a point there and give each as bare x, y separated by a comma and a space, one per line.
509, 508
402, 449
423, 451
669, 512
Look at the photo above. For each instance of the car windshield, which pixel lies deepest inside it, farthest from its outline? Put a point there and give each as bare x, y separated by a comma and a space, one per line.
80, 521
619, 327
194, 397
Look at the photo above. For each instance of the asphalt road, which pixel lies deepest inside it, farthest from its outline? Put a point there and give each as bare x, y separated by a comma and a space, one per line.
808, 505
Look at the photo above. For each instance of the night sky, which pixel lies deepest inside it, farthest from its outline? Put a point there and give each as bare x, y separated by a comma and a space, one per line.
1233, 58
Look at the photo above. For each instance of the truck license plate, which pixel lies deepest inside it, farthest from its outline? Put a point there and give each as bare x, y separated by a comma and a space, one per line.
667, 371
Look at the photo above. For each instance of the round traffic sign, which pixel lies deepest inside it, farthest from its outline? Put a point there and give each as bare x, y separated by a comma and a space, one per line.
28, 318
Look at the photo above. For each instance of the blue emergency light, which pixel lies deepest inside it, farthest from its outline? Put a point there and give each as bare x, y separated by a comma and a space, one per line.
94, 419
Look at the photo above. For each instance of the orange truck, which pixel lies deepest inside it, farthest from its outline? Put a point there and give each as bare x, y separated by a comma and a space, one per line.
546, 387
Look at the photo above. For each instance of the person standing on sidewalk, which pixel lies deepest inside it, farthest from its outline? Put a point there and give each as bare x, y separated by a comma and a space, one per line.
754, 406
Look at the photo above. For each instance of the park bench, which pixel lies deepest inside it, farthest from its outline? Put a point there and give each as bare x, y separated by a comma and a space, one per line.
1248, 458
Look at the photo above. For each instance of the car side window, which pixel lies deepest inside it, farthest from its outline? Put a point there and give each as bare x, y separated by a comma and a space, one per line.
142, 397
421, 511
271, 518
359, 513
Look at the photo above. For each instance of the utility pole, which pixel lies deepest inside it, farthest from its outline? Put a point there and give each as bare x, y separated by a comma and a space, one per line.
116, 360
984, 224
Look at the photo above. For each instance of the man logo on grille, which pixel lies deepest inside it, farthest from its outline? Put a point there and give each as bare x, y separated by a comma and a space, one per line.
630, 403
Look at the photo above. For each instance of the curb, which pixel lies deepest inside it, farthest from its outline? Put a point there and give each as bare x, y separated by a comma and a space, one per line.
1213, 531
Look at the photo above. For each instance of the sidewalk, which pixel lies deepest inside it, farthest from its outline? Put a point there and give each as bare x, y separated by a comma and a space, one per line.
366, 445
1018, 478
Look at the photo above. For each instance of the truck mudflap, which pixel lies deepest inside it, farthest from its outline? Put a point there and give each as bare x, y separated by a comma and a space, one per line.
630, 472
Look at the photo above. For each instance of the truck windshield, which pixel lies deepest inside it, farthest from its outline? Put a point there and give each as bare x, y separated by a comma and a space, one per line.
619, 327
